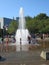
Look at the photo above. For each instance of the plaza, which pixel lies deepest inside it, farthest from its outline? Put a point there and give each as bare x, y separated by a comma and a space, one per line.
29, 57
23, 58
24, 38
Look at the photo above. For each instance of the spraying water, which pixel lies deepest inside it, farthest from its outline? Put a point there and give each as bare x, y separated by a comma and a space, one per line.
21, 33
22, 22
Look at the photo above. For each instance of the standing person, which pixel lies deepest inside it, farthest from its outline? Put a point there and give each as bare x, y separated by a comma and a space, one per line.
29, 39
20, 41
7, 40
43, 35
2, 44
20, 45
1, 41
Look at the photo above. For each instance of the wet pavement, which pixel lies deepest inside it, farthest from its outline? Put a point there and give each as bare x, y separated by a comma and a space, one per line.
23, 58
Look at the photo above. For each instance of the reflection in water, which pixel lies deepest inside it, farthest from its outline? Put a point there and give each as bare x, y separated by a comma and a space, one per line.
43, 45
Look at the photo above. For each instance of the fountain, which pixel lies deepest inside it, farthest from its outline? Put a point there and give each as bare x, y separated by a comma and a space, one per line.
22, 33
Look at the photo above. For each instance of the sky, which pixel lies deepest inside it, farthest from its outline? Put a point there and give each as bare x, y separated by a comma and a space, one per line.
10, 8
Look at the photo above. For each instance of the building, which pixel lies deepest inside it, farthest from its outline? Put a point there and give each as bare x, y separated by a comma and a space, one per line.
4, 22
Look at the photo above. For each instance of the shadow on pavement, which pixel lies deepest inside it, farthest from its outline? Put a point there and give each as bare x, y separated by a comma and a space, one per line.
2, 58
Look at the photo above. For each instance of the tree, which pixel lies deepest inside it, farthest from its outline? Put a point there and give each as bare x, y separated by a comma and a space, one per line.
41, 16
45, 28
29, 23
39, 23
12, 27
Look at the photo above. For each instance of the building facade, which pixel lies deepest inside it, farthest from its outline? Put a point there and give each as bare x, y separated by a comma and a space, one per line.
4, 22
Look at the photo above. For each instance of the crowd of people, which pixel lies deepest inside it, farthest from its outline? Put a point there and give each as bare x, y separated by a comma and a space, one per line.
6, 40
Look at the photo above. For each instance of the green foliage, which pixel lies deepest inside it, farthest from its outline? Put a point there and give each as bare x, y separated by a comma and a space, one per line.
41, 16
40, 23
3, 32
12, 27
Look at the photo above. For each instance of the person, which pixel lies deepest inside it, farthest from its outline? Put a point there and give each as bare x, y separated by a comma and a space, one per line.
7, 40
29, 39
1, 41
20, 44
20, 41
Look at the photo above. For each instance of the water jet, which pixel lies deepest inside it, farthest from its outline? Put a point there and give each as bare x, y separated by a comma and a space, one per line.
22, 33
